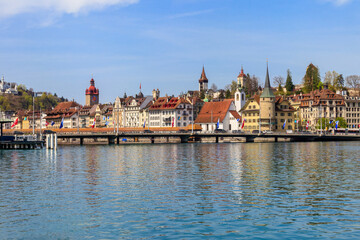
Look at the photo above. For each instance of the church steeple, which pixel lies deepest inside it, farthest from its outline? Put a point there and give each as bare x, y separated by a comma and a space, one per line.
267, 93
203, 81
203, 75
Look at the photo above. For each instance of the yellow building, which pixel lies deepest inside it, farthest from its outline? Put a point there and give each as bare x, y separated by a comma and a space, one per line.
275, 112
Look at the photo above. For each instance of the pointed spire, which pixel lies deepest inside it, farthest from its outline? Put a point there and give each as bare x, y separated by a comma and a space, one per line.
267, 79
203, 76
267, 92
241, 74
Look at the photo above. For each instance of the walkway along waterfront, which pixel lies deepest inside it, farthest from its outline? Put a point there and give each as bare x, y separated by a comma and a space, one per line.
198, 137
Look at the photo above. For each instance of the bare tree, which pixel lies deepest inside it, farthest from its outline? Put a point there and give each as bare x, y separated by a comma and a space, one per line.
278, 80
330, 77
353, 81
252, 85
214, 87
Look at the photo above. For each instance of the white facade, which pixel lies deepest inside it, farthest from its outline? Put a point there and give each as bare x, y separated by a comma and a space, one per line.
181, 116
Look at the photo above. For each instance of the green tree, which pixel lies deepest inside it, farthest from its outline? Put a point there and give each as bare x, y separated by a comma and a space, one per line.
311, 78
202, 94
325, 123
221, 95
289, 83
342, 122
280, 90
228, 94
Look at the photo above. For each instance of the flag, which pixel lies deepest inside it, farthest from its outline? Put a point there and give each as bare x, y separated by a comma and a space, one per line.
179, 118
336, 125
104, 118
25, 118
330, 122
62, 123
52, 123
93, 123
218, 124
106, 123
140, 86
283, 127
144, 123
46, 123
243, 124
172, 124
15, 122
238, 119
307, 125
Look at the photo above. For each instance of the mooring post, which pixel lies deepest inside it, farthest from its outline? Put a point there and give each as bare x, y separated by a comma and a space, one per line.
217, 140
152, 140
81, 141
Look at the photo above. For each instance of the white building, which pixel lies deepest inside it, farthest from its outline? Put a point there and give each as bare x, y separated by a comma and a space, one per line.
221, 113
170, 112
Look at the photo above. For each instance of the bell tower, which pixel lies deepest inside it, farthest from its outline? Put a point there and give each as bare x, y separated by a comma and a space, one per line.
240, 97
203, 81
267, 104
91, 94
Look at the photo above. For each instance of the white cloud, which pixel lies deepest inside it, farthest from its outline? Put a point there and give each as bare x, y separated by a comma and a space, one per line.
13, 7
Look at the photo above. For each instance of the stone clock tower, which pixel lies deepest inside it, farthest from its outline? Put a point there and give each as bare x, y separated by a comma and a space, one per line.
91, 94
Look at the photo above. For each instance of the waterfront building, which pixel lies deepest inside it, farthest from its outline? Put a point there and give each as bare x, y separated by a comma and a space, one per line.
283, 111
133, 111
240, 96
267, 105
267, 112
321, 104
352, 111
84, 116
69, 111
91, 94
170, 112
203, 82
102, 116
221, 115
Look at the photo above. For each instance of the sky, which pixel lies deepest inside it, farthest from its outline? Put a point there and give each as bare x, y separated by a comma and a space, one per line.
58, 45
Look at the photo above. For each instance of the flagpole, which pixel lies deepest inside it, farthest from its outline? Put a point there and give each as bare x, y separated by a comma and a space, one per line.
192, 112
40, 124
212, 121
259, 118
33, 113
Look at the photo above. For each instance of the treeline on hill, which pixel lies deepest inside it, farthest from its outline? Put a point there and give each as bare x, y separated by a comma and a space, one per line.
312, 81
24, 100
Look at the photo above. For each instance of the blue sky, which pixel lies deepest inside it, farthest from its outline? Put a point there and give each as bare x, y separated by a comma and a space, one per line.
56, 45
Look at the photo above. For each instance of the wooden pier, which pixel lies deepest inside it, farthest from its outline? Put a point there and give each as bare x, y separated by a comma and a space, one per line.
11, 142
21, 144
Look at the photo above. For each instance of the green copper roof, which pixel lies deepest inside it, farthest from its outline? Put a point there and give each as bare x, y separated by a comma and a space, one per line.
267, 93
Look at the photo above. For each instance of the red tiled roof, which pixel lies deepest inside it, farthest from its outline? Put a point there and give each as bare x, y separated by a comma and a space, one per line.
212, 111
64, 106
164, 103
235, 114
242, 74
318, 96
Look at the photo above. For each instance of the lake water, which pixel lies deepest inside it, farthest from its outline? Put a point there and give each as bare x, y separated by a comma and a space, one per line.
182, 191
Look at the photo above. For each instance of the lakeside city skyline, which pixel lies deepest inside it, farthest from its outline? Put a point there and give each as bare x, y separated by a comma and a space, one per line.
165, 45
